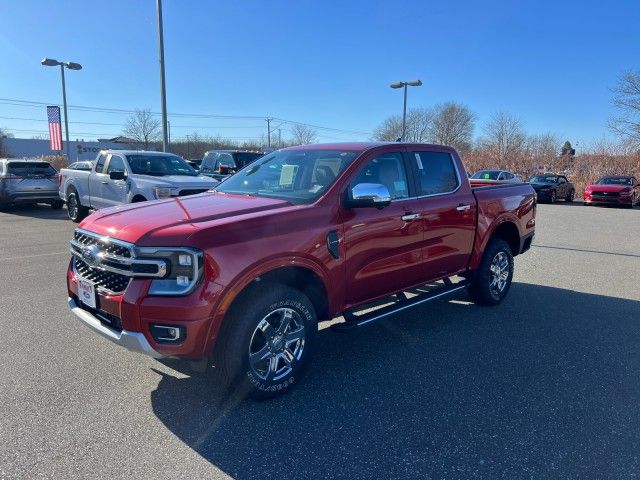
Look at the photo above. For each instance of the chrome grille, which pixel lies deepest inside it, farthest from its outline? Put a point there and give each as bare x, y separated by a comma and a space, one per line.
105, 244
106, 281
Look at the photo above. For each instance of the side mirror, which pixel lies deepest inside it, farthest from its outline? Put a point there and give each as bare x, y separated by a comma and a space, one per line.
366, 195
115, 175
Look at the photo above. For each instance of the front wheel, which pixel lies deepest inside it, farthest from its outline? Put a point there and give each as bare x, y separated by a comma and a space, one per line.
490, 283
570, 196
267, 340
553, 197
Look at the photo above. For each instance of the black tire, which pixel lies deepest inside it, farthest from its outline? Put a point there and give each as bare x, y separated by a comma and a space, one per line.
255, 323
57, 204
553, 196
586, 204
482, 288
570, 196
75, 210
138, 199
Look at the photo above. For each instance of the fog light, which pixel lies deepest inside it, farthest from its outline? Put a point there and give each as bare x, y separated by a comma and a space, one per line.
182, 281
167, 333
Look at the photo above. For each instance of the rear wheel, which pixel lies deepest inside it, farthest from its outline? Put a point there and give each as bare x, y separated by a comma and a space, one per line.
267, 341
553, 197
75, 210
570, 196
490, 283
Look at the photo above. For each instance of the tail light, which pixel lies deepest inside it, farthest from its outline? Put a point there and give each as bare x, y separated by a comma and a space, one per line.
11, 176
59, 179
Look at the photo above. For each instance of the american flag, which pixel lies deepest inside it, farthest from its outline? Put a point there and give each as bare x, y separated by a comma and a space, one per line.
55, 129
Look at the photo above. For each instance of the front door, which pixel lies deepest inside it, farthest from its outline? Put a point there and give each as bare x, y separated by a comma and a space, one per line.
383, 247
114, 192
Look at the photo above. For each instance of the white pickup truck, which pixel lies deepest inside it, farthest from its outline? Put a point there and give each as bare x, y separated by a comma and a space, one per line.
128, 176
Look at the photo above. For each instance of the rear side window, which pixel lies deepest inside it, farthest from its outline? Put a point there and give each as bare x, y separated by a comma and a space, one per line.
436, 172
100, 163
28, 168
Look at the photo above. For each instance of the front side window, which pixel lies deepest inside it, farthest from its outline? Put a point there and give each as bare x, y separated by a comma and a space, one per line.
298, 176
159, 165
387, 170
116, 164
436, 173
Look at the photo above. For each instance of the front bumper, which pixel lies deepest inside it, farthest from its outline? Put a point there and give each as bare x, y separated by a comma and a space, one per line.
134, 341
619, 200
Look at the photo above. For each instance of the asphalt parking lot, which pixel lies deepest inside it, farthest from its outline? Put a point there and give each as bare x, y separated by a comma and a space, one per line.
545, 385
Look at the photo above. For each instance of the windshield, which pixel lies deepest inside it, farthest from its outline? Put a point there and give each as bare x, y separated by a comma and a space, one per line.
160, 165
614, 181
298, 176
544, 179
487, 174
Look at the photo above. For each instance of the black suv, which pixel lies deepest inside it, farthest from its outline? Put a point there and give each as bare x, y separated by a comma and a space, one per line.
220, 164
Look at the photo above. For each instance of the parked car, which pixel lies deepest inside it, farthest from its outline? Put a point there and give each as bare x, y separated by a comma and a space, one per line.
220, 164
613, 190
244, 273
195, 163
128, 176
550, 187
28, 181
81, 165
491, 177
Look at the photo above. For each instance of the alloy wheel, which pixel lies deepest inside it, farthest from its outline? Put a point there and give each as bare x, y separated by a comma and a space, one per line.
72, 207
499, 273
277, 344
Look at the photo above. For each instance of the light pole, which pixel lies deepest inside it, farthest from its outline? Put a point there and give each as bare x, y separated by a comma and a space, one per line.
163, 91
412, 83
50, 62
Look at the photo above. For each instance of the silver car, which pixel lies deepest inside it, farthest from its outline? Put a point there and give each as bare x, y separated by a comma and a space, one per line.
28, 181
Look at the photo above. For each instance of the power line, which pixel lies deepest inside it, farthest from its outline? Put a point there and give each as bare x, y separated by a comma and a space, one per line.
30, 103
120, 124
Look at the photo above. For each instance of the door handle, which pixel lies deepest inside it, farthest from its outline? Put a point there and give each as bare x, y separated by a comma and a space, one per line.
104, 182
410, 216
463, 207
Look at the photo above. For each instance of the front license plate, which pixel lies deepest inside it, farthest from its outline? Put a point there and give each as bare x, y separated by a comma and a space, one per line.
87, 292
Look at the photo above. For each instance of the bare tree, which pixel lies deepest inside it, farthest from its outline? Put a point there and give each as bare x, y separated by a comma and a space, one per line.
418, 123
505, 138
303, 135
3, 149
452, 124
626, 99
143, 127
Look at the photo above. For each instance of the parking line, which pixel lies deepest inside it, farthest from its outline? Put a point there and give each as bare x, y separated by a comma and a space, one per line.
33, 256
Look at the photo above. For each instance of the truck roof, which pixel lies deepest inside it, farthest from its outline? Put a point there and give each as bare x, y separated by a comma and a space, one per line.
134, 152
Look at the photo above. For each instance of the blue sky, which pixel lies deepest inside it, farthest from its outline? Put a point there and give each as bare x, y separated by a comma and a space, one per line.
328, 62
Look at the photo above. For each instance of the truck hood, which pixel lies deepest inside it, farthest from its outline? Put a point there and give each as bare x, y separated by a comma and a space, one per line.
171, 221
178, 181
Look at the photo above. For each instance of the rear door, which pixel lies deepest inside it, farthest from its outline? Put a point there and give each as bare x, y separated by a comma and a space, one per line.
448, 212
114, 192
383, 247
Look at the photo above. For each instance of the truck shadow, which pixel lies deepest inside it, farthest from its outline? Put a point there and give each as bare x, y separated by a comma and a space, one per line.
546, 384
40, 210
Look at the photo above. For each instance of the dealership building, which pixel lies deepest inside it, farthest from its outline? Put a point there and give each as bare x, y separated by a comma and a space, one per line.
78, 150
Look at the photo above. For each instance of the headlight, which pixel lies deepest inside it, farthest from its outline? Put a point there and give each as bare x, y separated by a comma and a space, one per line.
184, 269
626, 191
162, 192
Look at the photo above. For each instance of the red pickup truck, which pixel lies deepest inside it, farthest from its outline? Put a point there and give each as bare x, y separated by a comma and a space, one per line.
242, 275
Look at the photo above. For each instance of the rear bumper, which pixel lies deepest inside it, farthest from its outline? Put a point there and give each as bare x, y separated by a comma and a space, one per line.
134, 341
30, 197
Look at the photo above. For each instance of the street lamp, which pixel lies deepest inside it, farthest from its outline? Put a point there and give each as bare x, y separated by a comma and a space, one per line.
50, 62
411, 83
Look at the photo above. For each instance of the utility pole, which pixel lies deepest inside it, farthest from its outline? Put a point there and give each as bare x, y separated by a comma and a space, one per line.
279, 138
269, 131
163, 92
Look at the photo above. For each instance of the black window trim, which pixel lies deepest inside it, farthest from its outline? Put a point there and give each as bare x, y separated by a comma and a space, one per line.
411, 154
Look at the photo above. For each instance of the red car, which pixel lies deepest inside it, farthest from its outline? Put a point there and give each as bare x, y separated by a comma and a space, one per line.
614, 190
244, 273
